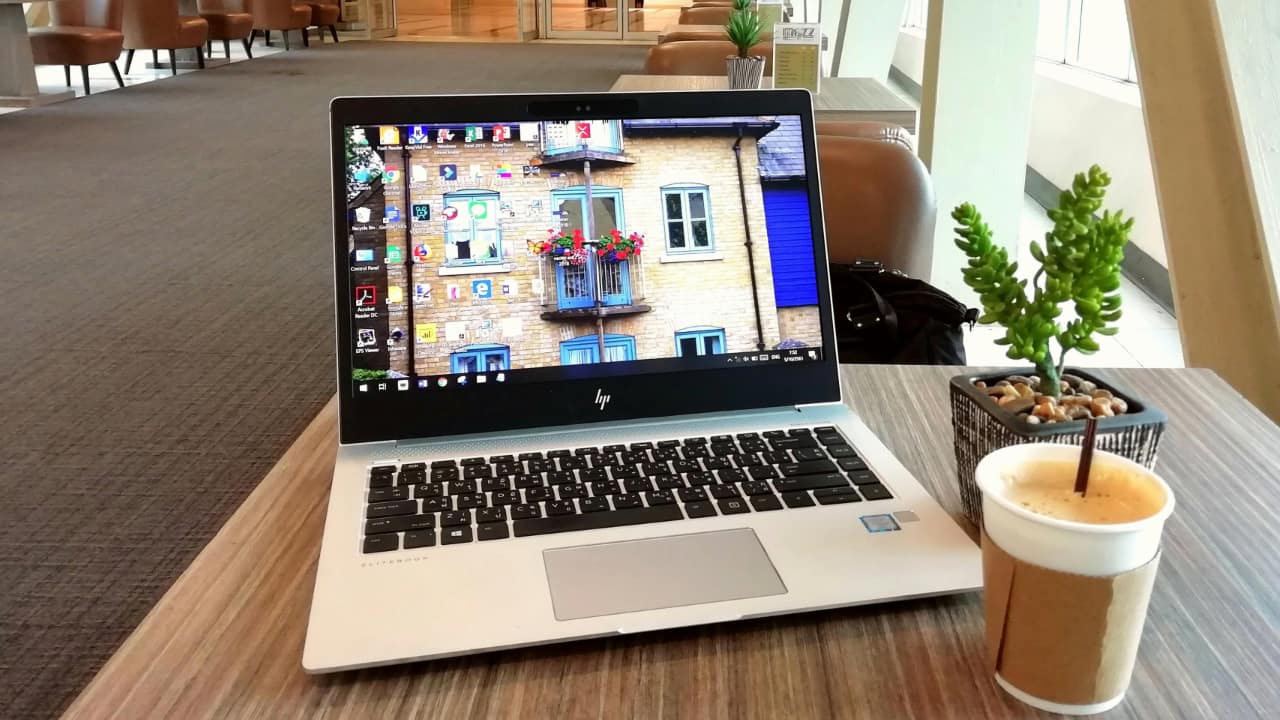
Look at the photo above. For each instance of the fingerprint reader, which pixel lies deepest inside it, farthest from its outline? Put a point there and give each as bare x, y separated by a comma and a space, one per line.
879, 523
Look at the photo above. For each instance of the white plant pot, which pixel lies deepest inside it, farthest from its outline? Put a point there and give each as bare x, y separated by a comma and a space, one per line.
744, 73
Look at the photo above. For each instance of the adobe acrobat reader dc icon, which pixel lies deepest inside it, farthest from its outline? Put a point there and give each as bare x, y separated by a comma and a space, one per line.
366, 296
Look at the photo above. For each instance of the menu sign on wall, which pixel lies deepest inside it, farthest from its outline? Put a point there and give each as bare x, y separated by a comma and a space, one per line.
770, 12
796, 56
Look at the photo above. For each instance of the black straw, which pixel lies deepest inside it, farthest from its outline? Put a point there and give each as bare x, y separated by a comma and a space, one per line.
1086, 456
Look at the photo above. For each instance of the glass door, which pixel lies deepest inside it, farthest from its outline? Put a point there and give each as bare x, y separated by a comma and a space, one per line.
601, 19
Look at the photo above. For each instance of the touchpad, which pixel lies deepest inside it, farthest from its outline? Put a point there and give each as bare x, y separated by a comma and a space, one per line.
611, 578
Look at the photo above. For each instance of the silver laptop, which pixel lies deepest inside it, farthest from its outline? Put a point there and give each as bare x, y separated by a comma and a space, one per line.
588, 382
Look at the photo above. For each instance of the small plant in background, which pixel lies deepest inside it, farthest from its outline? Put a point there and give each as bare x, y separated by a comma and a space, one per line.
743, 28
1079, 264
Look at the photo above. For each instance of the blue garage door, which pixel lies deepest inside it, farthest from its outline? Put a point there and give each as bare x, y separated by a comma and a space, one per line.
786, 214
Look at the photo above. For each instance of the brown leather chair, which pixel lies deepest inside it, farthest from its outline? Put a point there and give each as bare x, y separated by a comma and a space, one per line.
282, 15
705, 16
868, 130
680, 33
324, 15
228, 20
699, 57
878, 202
156, 25
81, 32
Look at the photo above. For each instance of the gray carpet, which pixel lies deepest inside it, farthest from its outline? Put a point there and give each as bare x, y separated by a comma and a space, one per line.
167, 321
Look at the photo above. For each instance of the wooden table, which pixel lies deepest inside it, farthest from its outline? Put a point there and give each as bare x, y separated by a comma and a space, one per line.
837, 98
18, 87
226, 640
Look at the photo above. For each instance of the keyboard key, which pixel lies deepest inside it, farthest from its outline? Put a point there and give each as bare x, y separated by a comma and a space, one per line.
444, 474
558, 453
851, 463
573, 463
875, 492
810, 482
381, 543
476, 472
561, 477
458, 487
764, 472
696, 451
685, 466
561, 507
508, 468
627, 501
863, 477
420, 538
688, 495
593, 504
387, 509
411, 477
387, 494
452, 518
473, 461
831, 439
724, 492
809, 467
764, 503
733, 507
597, 474
774, 434
491, 515
539, 466
492, 531
840, 451
731, 475
799, 432
601, 488
793, 443
428, 490
668, 443
797, 499
443, 464
381, 481
382, 470
528, 481
659, 497
777, 457
470, 500
668, 482
699, 509
697, 479
664, 454
529, 456
693, 441
825, 429
716, 439
587, 451
597, 520
455, 535
437, 504
757, 487
635, 457
806, 454
832, 496
495, 484
524, 512
717, 464
399, 523
611, 449
635, 485
625, 472
505, 497
538, 494
641, 446
567, 492
747, 460
501, 458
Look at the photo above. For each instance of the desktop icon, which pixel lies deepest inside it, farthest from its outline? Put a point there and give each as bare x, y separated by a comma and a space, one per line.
363, 215
392, 214
501, 377
582, 130
454, 292
449, 172
421, 251
501, 133
529, 131
478, 209
477, 171
475, 133
529, 170
462, 379
418, 135
422, 292
364, 387
382, 386
444, 135
358, 137
450, 212
482, 289
360, 175
425, 332
389, 135
394, 255
417, 173
502, 170
364, 255
366, 337
423, 383
482, 379
366, 296
391, 173
395, 294
441, 382
813, 354
421, 212
402, 385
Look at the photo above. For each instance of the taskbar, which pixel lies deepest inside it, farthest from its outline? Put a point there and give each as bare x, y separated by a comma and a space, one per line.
392, 383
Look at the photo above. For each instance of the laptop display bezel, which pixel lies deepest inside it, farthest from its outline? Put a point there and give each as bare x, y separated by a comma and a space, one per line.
495, 407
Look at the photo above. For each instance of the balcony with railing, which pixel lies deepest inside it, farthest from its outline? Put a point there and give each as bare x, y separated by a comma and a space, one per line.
572, 142
593, 288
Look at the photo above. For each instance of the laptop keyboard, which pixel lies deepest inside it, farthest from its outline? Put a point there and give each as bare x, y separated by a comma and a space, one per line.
478, 499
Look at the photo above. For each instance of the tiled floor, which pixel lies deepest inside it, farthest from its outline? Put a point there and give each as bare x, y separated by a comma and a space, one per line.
51, 78
1148, 335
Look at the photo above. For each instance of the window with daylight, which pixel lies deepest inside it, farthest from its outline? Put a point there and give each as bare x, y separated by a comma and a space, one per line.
916, 14
700, 341
1089, 34
585, 349
471, 234
686, 210
481, 358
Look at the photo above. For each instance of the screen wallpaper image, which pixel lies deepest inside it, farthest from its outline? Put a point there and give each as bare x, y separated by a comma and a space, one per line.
496, 247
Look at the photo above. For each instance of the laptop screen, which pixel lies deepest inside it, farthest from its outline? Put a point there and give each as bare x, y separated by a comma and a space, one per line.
512, 252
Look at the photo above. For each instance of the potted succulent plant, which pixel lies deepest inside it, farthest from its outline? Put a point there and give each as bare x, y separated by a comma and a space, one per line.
1048, 402
743, 30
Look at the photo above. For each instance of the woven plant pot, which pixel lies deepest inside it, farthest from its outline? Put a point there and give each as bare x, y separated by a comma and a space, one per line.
745, 73
982, 427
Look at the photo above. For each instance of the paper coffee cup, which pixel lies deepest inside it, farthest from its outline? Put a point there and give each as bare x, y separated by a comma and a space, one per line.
1065, 600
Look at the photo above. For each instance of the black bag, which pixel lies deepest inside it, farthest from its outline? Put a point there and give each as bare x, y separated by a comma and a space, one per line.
883, 316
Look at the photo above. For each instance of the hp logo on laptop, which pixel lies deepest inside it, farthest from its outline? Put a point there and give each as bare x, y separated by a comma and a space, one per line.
601, 399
